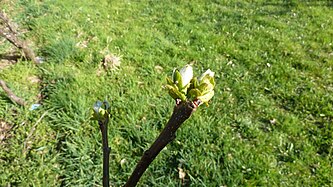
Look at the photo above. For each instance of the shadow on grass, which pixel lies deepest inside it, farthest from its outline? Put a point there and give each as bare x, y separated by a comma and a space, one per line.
292, 3
286, 6
175, 161
8, 59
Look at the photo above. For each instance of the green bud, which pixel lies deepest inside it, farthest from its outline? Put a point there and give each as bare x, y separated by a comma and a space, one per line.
206, 97
183, 86
203, 88
100, 111
169, 81
208, 73
175, 93
183, 76
194, 93
180, 82
186, 74
177, 79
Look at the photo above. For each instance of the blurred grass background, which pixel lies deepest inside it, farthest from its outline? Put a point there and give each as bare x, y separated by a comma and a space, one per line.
269, 123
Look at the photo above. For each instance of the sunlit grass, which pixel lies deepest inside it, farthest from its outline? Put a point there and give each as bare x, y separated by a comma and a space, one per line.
269, 123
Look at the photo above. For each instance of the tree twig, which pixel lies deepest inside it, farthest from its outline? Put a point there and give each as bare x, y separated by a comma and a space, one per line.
11, 95
103, 125
101, 113
9, 32
181, 112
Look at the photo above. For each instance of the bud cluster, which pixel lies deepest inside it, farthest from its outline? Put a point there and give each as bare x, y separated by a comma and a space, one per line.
101, 111
185, 87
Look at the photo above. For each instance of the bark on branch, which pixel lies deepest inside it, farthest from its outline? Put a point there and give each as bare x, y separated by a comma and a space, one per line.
11, 94
180, 114
103, 125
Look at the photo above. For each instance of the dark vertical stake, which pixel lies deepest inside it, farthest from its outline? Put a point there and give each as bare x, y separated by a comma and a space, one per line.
106, 151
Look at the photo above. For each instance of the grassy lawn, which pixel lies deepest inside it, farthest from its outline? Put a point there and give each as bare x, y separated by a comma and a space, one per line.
270, 122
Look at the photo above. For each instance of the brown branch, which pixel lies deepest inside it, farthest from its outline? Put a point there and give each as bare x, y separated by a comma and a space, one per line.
9, 32
180, 113
11, 94
103, 125
5, 20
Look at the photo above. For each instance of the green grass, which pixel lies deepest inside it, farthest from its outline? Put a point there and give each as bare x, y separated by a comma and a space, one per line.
269, 123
